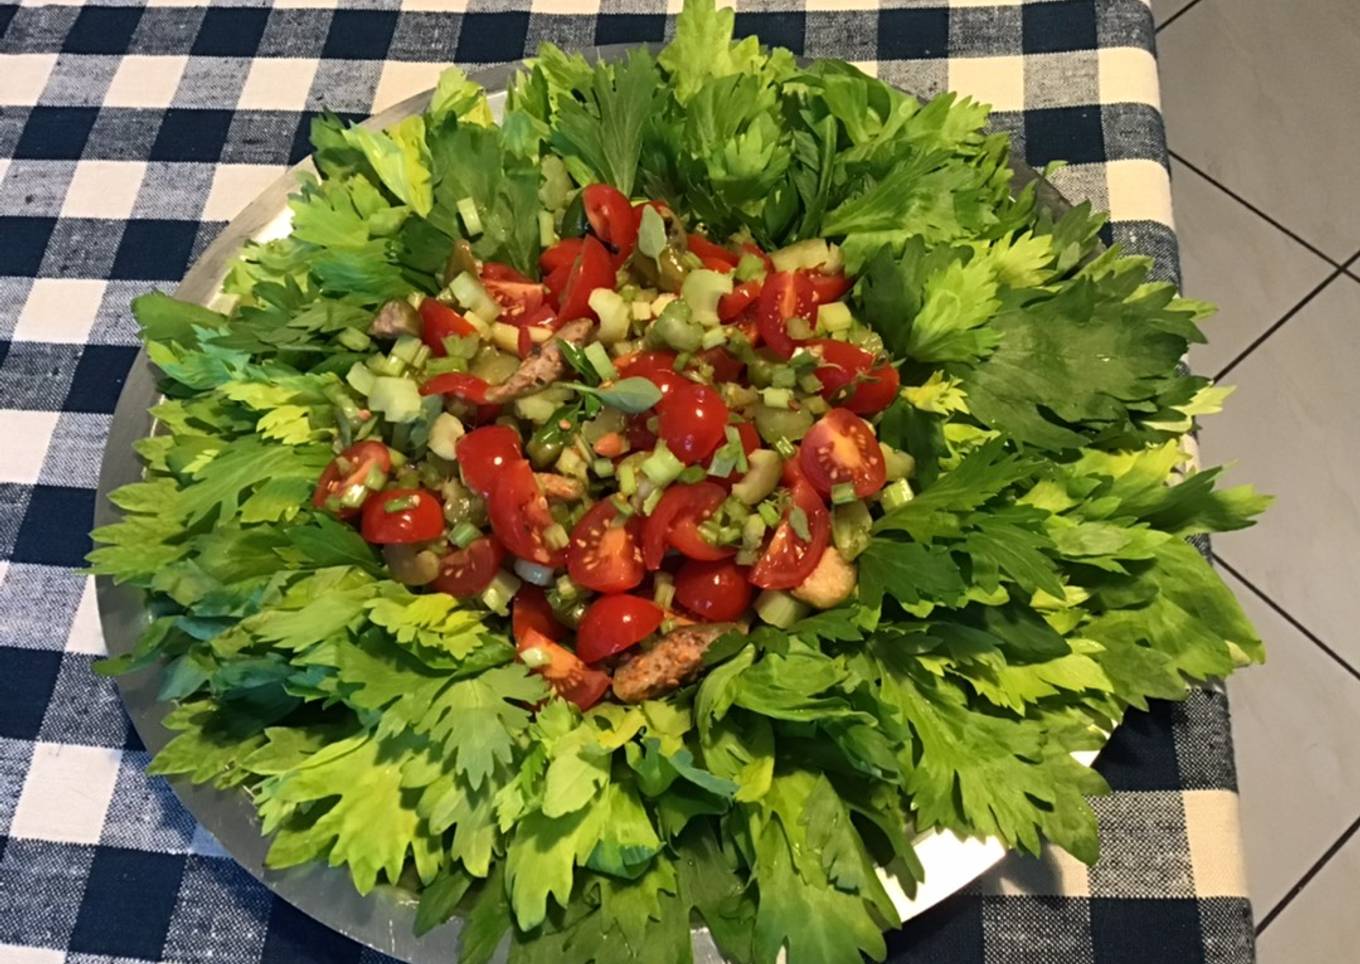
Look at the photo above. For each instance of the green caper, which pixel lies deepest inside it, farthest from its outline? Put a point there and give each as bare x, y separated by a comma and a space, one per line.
671, 269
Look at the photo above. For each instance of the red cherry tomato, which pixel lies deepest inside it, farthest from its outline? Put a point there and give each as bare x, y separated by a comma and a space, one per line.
519, 297
363, 458
713, 255
791, 474
741, 297
787, 294
484, 453
614, 623
592, 269
843, 364
572, 679
658, 366
519, 514
464, 573
693, 421
611, 219
561, 255
420, 521
470, 388
675, 522
530, 611
439, 321
827, 288
713, 591
726, 366
788, 559
842, 448
603, 555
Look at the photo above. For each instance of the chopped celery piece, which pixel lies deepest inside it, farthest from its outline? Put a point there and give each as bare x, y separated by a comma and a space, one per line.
760, 479
702, 290
812, 253
472, 296
851, 528
465, 534
354, 339
599, 360
775, 423
798, 522
749, 267
613, 313
397, 399
603, 468
810, 384
389, 365
422, 355
816, 405
547, 231
445, 432
360, 378
571, 463
649, 504
769, 513
673, 329
535, 657
747, 557
834, 316
783, 377
640, 310
753, 531
555, 536
692, 474
899, 464
566, 588
842, 493
777, 397
497, 595
896, 495
627, 479
663, 593
472, 221
662, 467
785, 448
779, 609
713, 337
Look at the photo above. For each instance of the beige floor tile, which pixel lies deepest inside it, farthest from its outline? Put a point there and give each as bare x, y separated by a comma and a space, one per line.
1320, 925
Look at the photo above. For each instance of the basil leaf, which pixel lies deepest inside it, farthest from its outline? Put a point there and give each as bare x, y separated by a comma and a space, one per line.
631, 395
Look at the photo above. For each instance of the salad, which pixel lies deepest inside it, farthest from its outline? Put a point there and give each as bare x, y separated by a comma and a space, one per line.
660, 505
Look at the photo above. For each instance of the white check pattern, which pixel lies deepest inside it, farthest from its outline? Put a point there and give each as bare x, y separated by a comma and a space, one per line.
165, 118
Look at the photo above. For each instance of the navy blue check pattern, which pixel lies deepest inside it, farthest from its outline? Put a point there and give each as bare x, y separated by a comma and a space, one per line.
130, 134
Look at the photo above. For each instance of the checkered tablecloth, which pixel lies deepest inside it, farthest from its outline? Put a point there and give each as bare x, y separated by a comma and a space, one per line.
130, 133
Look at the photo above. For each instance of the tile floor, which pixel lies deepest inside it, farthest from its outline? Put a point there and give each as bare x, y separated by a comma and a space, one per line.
1259, 98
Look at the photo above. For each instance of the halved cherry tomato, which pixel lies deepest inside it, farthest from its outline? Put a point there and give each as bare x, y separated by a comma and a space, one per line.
611, 219
787, 294
675, 522
714, 591
788, 559
738, 299
419, 521
842, 364
791, 474
560, 255
826, 288
486, 452
462, 385
614, 623
592, 269
604, 554
530, 611
721, 259
842, 448
565, 672
439, 321
726, 366
363, 458
518, 296
464, 573
519, 514
693, 421
658, 366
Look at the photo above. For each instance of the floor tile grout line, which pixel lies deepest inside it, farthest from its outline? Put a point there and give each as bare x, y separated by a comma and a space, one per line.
1265, 335
1280, 611
1177, 15
1308, 876
1293, 236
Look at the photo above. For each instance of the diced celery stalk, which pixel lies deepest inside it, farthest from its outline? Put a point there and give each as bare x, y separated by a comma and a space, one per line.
753, 531
662, 467
702, 290
783, 377
627, 479
472, 221
842, 493
851, 528
812, 253
663, 593
834, 316
547, 231
784, 447
360, 378
502, 588
482, 326
535, 657
389, 365
899, 464
532, 572
398, 399
465, 534
571, 463
692, 474
810, 384
649, 504
640, 310
779, 609
713, 337
816, 405
769, 513
777, 397
505, 337
673, 328
566, 588
760, 479
613, 313
896, 495
835, 259
603, 468
444, 435
599, 360
749, 267
354, 339
472, 296
555, 537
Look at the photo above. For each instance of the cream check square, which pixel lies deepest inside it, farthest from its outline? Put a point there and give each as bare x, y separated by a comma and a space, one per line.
277, 83
14, 954
66, 793
234, 186
1140, 190
998, 81
400, 79
86, 635
23, 77
143, 80
103, 189
60, 310
1127, 75
27, 435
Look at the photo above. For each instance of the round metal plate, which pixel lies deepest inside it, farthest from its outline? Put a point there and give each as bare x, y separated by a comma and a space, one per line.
384, 918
